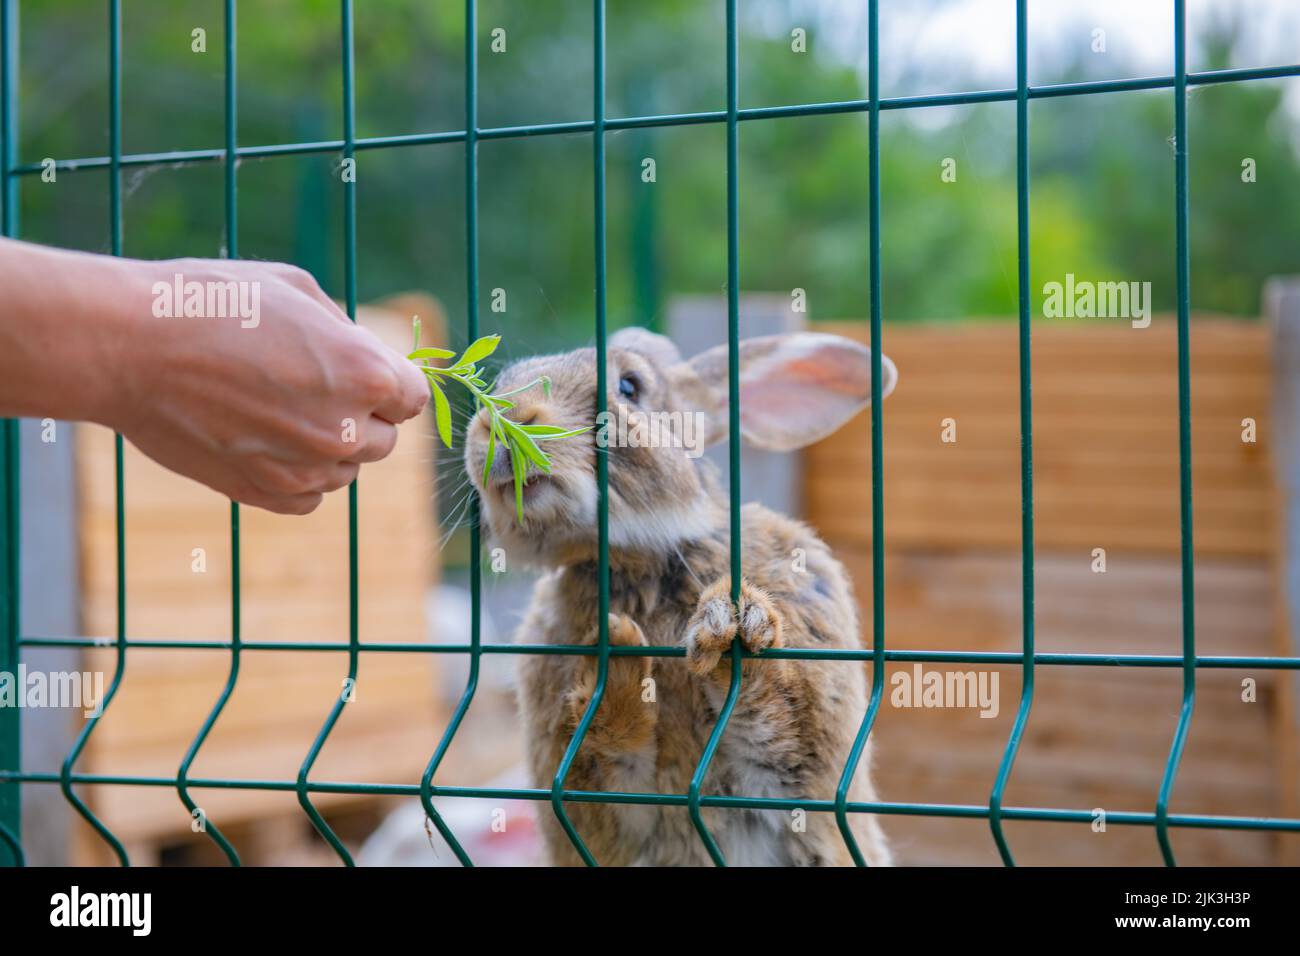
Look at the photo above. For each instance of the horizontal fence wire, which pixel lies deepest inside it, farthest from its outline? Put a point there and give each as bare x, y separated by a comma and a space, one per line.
888, 808
191, 156
992, 658
11, 641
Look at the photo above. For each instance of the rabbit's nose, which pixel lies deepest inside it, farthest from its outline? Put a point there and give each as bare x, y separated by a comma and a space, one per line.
523, 414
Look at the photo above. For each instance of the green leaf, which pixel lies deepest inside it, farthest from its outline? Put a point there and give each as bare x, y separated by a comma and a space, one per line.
520, 440
516, 391
442, 412
479, 350
517, 463
491, 454
547, 432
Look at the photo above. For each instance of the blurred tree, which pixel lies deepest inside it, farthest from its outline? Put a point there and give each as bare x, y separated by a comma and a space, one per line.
1102, 183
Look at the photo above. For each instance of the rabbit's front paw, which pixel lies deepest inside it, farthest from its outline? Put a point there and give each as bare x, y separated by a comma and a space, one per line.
625, 720
714, 625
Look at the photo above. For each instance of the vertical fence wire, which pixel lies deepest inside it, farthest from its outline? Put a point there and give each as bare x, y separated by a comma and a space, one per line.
348, 173
10, 556
232, 252
602, 453
1184, 434
115, 217
1026, 434
733, 430
471, 331
877, 450
10, 738
8, 117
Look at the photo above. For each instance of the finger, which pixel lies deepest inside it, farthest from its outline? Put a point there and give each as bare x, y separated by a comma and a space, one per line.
336, 476
305, 282
299, 504
335, 310
408, 395
285, 480
303, 504
377, 442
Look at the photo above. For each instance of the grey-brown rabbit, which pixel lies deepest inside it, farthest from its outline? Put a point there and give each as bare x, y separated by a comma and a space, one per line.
795, 720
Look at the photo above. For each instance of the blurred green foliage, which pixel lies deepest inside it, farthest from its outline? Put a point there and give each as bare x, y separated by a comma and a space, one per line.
1101, 178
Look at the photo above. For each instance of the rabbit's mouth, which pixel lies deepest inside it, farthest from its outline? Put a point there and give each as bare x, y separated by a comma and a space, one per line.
535, 486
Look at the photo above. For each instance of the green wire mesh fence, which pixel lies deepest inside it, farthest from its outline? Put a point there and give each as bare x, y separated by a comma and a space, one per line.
11, 641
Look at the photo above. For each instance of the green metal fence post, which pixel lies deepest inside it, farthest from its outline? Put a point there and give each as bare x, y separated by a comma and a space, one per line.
733, 430
1026, 434
115, 232
350, 295
602, 454
471, 331
877, 444
10, 750
232, 252
1184, 434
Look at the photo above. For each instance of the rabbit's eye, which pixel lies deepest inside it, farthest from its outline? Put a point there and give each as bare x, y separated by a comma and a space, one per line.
629, 387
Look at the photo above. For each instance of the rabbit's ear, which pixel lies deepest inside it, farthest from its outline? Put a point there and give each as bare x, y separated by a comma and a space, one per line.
794, 389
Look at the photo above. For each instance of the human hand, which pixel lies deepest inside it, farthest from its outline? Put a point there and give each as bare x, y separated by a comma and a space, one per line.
272, 412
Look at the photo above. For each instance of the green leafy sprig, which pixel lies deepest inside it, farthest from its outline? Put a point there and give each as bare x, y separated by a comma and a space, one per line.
524, 441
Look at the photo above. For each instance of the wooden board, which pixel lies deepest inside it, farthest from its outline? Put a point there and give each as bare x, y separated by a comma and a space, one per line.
1105, 440
1097, 736
1105, 476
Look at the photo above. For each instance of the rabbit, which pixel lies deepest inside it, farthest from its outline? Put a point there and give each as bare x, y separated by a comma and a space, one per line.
669, 554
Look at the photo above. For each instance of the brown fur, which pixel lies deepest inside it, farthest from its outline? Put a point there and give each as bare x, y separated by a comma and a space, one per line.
794, 722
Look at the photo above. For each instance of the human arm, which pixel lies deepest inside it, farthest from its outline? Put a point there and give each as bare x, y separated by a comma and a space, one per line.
257, 409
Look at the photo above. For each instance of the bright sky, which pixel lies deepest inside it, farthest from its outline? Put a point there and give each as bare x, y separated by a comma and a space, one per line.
972, 42
1140, 30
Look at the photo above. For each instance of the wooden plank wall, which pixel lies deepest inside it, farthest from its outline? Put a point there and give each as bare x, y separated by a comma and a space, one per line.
295, 589
1105, 476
